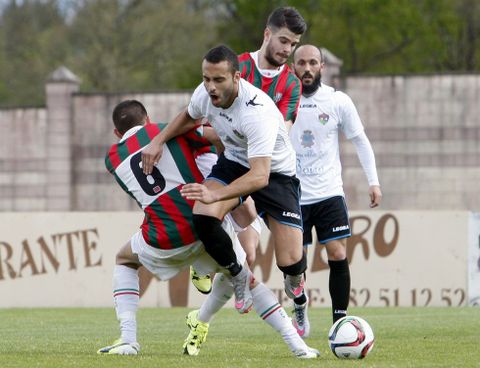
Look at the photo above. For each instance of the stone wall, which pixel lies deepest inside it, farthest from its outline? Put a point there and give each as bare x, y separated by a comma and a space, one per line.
23, 159
93, 187
425, 132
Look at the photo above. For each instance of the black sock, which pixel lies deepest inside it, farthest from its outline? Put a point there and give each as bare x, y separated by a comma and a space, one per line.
339, 287
217, 242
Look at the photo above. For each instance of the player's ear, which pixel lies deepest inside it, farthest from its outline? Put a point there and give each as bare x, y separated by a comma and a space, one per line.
117, 133
266, 34
236, 77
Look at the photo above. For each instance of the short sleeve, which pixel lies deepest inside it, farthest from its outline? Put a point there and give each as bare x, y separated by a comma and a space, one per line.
261, 137
197, 103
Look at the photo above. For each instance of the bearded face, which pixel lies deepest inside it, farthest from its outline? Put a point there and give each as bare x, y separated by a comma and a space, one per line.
310, 83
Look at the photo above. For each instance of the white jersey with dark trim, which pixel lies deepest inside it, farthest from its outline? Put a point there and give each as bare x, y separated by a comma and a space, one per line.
314, 137
251, 127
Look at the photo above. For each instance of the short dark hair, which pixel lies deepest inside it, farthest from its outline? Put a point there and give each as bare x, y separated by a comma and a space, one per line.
223, 53
127, 114
287, 16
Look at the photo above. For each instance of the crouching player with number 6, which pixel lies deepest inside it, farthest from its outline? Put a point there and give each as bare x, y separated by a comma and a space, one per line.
167, 242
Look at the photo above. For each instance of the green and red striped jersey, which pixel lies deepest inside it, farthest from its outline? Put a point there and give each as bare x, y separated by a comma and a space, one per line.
168, 216
199, 143
284, 89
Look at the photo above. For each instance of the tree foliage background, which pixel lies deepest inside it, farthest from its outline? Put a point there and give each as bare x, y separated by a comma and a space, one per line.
147, 45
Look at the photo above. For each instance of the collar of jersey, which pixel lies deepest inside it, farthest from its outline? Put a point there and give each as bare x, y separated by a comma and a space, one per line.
269, 73
131, 132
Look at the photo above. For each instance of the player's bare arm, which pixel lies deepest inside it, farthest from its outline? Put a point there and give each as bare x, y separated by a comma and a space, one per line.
256, 178
211, 135
152, 153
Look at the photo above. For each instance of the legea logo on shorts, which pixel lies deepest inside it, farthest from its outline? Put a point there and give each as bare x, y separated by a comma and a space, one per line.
291, 214
340, 228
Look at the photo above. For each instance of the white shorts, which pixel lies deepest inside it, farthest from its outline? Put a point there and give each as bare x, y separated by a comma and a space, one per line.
166, 263
205, 162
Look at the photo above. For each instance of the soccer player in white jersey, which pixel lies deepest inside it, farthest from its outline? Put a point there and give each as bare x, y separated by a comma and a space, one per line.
258, 160
322, 114
167, 242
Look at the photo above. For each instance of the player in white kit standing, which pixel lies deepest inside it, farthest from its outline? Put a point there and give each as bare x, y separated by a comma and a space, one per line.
322, 114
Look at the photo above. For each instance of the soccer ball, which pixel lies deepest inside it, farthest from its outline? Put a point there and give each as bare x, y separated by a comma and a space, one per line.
351, 338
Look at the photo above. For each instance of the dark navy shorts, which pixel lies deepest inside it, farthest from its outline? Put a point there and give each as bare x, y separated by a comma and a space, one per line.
330, 219
279, 199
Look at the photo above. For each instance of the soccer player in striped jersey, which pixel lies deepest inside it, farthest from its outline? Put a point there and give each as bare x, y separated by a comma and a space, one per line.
167, 242
267, 69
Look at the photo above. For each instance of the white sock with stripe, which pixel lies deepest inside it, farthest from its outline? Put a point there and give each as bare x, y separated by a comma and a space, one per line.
126, 296
222, 291
268, 308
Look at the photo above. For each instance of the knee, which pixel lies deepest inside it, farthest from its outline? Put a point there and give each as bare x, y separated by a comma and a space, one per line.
209, 230
250, 258
205, 225
336, 251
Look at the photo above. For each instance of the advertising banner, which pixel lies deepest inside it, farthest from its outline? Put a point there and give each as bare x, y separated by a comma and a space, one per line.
397, 258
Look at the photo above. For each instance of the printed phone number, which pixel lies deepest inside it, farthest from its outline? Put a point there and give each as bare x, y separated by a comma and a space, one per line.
394, 297
421, 297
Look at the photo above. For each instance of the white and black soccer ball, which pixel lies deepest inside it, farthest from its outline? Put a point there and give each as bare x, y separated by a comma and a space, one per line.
351, 337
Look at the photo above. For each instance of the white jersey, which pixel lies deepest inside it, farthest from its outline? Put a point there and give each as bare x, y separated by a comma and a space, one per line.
251, 127
315, 139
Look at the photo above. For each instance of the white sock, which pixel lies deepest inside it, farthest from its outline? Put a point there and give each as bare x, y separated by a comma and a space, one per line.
126, 296
269, 309
222, 291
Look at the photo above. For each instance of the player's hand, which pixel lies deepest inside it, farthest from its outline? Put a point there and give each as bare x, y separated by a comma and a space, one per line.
150, 156
375, 195
198, 192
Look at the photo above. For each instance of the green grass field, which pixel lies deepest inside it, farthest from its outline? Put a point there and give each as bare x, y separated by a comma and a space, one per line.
405, 337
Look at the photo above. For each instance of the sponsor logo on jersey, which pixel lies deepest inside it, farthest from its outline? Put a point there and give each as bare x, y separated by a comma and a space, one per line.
308, 139
340, 228
308, 106
253, 103
323, 118
278, 96
291, 214
222, 114
238, 134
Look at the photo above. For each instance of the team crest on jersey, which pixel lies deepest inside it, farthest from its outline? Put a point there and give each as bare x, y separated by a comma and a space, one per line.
307, 139
323, 118
238, 134
278, 96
